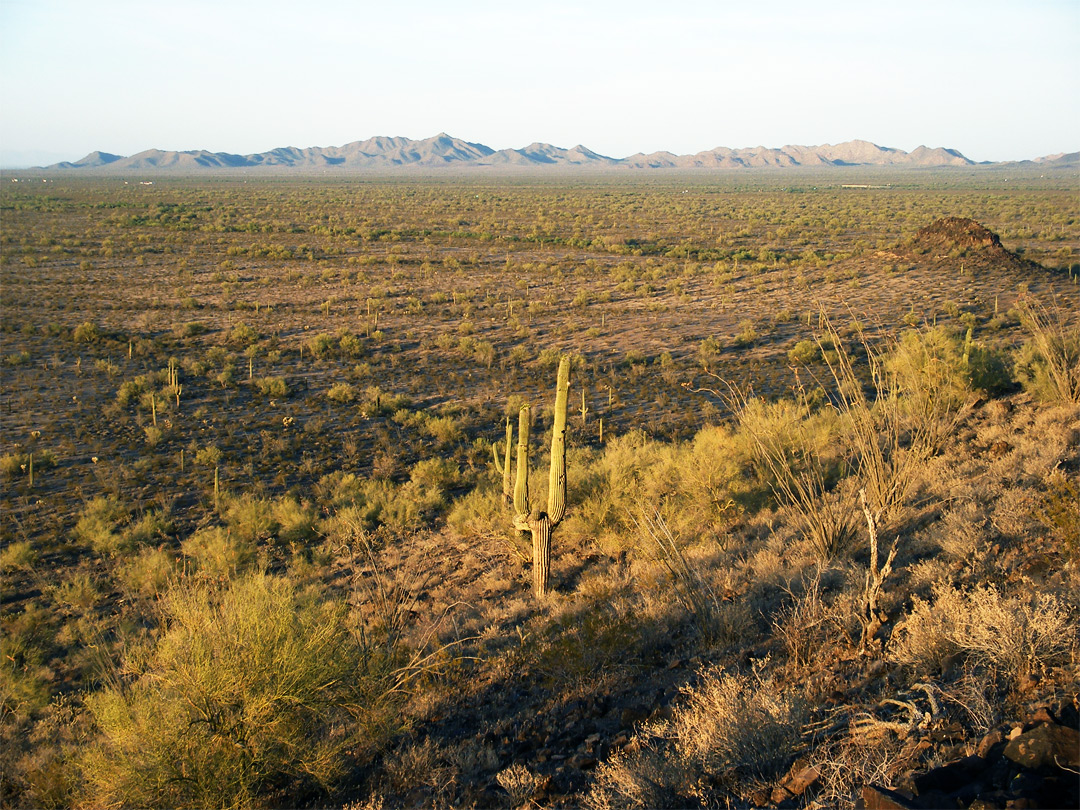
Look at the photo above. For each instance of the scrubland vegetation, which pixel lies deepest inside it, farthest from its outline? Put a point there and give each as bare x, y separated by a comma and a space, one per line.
821, 510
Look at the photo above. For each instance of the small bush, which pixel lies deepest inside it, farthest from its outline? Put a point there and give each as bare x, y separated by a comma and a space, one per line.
86, 332
19, 554
251, 687
1048, 364
243, 335
217, 553
98, 525
342, 393
1007, 636
149, 573
1059, 511
732, 730
274, 387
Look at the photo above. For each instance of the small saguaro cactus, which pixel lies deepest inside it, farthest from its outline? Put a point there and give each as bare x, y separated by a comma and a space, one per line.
527, 518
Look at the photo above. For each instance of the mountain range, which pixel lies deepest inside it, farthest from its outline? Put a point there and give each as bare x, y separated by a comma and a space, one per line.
442, 150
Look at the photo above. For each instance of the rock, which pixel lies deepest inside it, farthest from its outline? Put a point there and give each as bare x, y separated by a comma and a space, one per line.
760, 797
873, 797
987, 743
802, 781
779, 794
1048, 744
1042, 715
582, 762
951, 777
632, 715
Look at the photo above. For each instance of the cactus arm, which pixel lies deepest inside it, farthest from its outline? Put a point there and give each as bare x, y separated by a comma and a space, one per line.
498, 461
557, 477
522, 510
508, 484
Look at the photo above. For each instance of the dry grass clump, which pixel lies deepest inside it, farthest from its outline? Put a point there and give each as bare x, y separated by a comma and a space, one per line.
731, 731
1008, 636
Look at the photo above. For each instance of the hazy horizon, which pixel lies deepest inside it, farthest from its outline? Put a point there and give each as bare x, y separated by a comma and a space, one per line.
995, 81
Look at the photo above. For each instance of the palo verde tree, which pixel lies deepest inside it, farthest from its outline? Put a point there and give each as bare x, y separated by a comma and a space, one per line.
527, 518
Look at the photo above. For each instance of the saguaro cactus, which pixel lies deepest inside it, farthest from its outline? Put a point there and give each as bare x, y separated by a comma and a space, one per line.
527, 518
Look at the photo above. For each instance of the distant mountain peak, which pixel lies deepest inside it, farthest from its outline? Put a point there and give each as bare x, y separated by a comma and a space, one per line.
396, 153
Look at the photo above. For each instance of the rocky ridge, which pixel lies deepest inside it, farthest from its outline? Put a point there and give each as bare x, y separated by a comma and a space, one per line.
442, 151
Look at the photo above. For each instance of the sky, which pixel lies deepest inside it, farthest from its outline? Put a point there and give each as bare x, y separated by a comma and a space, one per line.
994, 80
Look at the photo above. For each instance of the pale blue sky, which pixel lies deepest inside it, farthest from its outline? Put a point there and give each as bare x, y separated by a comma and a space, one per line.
996, 80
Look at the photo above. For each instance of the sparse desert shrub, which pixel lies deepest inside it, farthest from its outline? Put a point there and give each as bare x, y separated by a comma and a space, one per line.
930, 380
149, 573
243, 335
1009, 636
321, 345
86, 332
342, 393
444, 429
209, 456
99, 522
251, 687
18, 464
109, 528
1059, 510
19, 554
338, 488
217, 553
295, 520
798, 454
274, 387
731, 731
988, 369
690, 583
804, 625
350, 345
480, 512
132, 390
518, 781
381, 403
1048, 364
435, 473
250, 518
78, 592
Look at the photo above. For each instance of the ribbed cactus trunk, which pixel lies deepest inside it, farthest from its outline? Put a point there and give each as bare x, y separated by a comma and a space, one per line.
541, 537
538, 522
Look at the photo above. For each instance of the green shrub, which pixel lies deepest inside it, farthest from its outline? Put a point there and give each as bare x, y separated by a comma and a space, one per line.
243, 335
250, 518
251, 688
444, 429
99, 525
86, 332
1048, 364
295, 520
149, 573
19, 554
342, 392
216, 553
321, 346
274, 387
